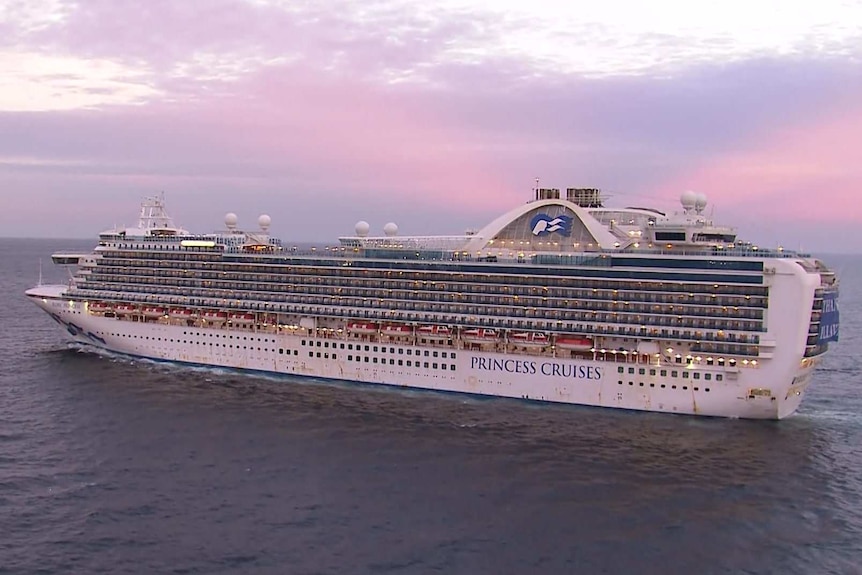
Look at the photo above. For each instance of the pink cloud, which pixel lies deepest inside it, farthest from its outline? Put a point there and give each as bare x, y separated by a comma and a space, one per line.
322, 132
805, 171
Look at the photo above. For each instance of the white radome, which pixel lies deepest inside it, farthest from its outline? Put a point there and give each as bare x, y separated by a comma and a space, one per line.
362, 228
688, 199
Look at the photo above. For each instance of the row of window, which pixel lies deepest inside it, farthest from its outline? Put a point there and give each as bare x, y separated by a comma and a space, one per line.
396, 306
673, 373
681, 304
663, 386
509, 275
376, 348
700, 294
399, 362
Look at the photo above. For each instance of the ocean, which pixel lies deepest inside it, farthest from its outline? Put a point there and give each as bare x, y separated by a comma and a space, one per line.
115, 466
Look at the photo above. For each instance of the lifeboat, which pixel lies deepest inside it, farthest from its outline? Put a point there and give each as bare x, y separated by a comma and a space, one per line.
433, 332
477, 335
529, 339
215, 316
397, 330
574, 343
126, 308
241, 318
153, 311
99, 306
362, 327
181, 313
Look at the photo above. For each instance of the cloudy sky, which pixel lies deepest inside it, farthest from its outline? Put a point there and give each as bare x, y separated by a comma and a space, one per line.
436, 115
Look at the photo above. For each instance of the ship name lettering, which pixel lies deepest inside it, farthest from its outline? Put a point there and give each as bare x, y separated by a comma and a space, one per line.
528, 367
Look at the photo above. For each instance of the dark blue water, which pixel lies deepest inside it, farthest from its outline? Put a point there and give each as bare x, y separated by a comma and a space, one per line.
110, 466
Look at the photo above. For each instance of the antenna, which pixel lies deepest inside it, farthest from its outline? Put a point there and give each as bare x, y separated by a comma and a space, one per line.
40, 272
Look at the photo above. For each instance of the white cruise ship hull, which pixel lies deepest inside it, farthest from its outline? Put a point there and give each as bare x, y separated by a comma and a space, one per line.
765, 393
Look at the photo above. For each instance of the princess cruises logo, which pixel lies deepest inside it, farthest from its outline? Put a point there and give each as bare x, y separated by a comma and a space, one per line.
544, 224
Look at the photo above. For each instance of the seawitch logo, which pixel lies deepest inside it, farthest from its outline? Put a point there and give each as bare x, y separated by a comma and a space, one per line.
543, 224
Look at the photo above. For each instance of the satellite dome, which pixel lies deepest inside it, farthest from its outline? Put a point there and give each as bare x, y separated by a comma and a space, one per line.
362, 228
688, 199
700, 202
230, 220
263, 221
390, 229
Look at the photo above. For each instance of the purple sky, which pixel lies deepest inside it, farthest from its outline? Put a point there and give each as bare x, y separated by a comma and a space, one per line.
437, 118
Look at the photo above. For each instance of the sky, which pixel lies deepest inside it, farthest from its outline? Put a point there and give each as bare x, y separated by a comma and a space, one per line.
438, 115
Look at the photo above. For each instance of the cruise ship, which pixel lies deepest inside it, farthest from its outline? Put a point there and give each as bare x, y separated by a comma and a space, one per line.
560, 299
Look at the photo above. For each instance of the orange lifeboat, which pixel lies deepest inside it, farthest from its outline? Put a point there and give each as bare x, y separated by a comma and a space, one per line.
529, 339
574, 343
362, 327
434, 332
242, 318
215, 316
126, 308
99, 306
153, 311
397, 330
181, 313
477, 335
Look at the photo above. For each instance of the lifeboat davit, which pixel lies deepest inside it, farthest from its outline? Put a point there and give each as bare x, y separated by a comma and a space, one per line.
153, 311
181, 313
215, 316
242, 318
362, 327
434, 332
126, 308
574, 343
397, 330
529, 339
477, 335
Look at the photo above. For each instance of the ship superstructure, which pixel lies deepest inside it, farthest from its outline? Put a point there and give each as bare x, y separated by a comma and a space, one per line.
560, 299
